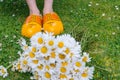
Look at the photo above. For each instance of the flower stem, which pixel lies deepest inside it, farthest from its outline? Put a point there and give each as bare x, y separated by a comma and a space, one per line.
9, 66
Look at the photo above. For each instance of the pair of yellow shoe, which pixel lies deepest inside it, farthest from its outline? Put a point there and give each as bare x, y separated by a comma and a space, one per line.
49, 23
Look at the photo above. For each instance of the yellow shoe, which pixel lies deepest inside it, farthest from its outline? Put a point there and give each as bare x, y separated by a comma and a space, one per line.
52, 23
32, 25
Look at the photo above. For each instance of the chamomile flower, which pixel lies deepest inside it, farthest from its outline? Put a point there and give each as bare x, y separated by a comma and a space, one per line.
40, 67
87, 73
69, 41
33, 49
60, 44
23, 64
23, 44
3, 72
64, 69
63, 76
37, 40
50, 42
62, 57
33, 63
31, 55
17, 66
47, 75
44, 51
65, 63
53, 66
78, 65
85, 57
67, 51
53, 55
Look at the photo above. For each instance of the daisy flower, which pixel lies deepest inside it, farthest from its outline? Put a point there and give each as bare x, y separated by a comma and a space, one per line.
60, 44
53, 56
87, 73
62, 57
78, 65
44, 51
85, 57
33, 63
69, 41
23, 64
22, 43
3, 72
50, 42
64, 69
47, 75
37, 40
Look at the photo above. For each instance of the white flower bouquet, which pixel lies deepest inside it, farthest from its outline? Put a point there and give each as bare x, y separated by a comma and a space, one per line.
53, 58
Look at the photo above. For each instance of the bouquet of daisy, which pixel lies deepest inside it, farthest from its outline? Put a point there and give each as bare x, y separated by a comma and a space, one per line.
51, 57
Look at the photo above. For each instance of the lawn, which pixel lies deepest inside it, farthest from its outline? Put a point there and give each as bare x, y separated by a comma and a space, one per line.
94, 23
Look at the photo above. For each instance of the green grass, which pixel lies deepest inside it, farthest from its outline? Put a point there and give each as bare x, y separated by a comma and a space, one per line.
99, 35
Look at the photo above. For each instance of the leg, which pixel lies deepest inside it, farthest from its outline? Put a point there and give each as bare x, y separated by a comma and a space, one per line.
51, 21
47, 6
33, 7
33, 22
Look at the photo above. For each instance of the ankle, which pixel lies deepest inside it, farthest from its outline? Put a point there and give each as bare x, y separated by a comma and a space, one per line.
45, 11
35, 12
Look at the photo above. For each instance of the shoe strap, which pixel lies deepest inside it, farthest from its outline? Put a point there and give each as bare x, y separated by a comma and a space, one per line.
50, 16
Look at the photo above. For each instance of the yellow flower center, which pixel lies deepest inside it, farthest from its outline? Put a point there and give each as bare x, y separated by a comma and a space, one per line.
63, 69
71, 79
35, 61
47, 75
32, 55
78, 64
40, 67
53, 65
67, 51
3, 71
53, 55
62, 76
64, 63
53, 49
84, 74
62, 56
36, 73
33, 49
51, 42
25, 62
37, 77
71, 54
85, 59
40, 40
44, 50
60, 44
47, 67
18, 66
25, 47
77, 70
46, 58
